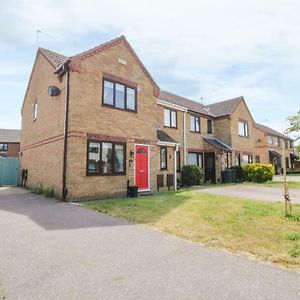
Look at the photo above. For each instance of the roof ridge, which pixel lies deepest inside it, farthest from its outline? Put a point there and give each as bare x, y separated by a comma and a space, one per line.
232, 99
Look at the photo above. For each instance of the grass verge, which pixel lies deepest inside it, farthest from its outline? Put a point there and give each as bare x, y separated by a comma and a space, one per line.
251, 228
291, 184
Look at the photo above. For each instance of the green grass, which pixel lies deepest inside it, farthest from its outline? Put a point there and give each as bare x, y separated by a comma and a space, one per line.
252, 228
291, 184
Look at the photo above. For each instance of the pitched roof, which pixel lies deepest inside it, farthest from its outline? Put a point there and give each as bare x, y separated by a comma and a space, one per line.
164, 137
187, 103
269, 130
224, 108
57, 59
217, 143
10, 135
54, 58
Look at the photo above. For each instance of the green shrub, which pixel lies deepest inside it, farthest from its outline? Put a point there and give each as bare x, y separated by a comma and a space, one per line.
295, 251
258, 172
240, 175
191, 175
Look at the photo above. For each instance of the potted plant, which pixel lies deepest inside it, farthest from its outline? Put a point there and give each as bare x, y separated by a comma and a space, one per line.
133, 191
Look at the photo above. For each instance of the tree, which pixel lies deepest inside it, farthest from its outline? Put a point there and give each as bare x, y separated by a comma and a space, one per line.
294, 124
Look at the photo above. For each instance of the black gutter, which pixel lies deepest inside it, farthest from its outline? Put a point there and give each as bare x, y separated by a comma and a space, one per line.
64, 176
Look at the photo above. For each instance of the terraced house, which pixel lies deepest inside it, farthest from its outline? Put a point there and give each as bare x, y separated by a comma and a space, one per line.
97, 121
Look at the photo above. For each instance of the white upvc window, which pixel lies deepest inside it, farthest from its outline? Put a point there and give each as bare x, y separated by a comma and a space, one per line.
35, 109
170, 118
243, 129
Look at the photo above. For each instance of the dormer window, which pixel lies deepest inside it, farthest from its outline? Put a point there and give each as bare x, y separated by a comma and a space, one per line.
119, 95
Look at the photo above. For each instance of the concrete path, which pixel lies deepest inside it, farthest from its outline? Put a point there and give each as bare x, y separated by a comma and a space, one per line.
272, 194
52, 250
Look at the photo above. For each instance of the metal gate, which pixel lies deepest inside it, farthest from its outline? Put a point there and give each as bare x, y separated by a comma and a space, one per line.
9, 171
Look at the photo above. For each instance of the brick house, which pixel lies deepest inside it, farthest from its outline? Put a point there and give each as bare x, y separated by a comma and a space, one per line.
9, 142
274, 147
95, 120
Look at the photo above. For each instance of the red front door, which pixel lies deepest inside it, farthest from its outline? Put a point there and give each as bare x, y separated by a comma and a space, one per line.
141, 167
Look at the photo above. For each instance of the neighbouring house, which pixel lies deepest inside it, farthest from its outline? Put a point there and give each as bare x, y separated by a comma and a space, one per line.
9, 142
96, 120
274, 147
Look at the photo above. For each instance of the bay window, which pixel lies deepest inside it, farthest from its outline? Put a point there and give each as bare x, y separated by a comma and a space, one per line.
106, 158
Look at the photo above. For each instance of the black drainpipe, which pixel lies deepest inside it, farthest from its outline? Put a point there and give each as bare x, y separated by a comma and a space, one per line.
64, 179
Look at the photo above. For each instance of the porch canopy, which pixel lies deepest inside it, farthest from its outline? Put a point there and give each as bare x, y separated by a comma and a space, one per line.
164, 138
274, 154
294, 156
217, 143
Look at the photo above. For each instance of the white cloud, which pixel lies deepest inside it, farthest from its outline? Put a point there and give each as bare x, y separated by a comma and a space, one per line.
223, 48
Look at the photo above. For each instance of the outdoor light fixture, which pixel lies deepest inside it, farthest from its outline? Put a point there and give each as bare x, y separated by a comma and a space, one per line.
131, 153
53, 91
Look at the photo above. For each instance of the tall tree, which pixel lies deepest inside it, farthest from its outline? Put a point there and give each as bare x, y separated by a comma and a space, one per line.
294, 124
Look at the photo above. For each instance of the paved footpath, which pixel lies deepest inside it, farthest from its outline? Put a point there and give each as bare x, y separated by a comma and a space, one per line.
270, 194
52, 250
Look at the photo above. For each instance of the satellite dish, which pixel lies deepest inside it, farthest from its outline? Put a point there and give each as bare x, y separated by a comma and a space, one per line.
53, 91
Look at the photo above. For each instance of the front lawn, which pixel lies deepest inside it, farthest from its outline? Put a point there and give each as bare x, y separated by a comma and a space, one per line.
248, 227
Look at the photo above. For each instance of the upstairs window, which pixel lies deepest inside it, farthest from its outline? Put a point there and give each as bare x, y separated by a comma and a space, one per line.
119, 95
277, 141
286, 144
195, 123
163, 158
106, 158
170, 118
3, 147
34, 111
243, 129
270, 140
291, 144
209, 126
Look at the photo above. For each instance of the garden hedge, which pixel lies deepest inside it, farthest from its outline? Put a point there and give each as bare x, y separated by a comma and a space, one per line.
258, 172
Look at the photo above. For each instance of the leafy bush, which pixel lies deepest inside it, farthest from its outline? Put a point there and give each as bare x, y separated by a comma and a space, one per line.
191, 175
258, 172
240, 175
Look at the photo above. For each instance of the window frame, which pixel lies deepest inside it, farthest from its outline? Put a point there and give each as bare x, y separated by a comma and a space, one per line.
100, 156
198, 160
114, 82
257, 159
166, 158
245, 128
209, 128
35, 110
4, 149
170, 114
194, 121
178, 161
270, 139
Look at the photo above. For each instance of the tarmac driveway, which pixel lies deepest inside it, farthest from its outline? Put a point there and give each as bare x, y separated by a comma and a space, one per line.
271, 194
53, 250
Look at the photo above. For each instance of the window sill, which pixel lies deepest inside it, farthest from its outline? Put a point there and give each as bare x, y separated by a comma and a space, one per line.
244, 136
104, 175
195, 131
170, 127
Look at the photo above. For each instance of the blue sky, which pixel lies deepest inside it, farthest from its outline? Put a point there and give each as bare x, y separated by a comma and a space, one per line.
210, 50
